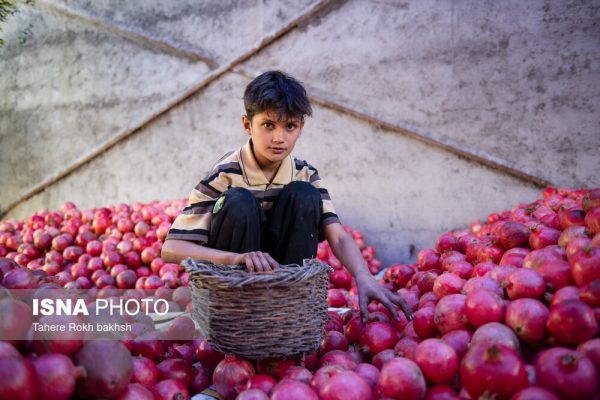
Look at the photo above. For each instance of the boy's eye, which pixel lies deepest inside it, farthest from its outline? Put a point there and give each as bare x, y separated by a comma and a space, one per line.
291, 127
268, 125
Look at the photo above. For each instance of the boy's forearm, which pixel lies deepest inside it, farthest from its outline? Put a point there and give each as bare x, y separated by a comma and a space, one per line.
174, 251
346, 250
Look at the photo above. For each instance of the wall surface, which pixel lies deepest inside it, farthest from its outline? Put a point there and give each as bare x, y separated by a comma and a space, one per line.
427, 114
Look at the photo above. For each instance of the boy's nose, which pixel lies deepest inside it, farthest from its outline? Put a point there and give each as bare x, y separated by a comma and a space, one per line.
277, 136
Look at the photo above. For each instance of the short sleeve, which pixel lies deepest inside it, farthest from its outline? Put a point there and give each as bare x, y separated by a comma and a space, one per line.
328, 214
193, 224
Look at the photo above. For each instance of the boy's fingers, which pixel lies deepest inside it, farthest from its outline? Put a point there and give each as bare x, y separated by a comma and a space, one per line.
264, 263
249, 264
390, 306
258, 262
274, 264
362, 303
397, 299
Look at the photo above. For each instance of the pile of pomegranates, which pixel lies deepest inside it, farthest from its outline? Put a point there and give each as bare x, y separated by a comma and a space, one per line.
507, 309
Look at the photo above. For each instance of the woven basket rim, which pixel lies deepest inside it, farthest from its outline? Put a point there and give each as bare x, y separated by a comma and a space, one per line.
206, 274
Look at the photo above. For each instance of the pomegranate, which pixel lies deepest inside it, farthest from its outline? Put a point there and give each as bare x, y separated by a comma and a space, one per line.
171, 389
590, 293
276, 367
181, 329
176, 368
585, 265
450, 313
447, 283
252, 394
333, 340
514, 256
382, 357
145, 371
592, 220
8, 350
369, 373
299, 374
591, 349
16, 319
567, 372
572, 322
459, 340
542, 236
482, 268
511, 234
406, 347
289, 389
525, 283
401, 378
17, 379
399, 274
262, 382
446, 242
535, 393
231, 375
135, 391
108, 369
440, 392
428, 259
591, 200
565, 294
483, 306
424, 322
527, 317
346, 385
201, 378
492, 370
496, 333
483, 282
208, 356
462, 269
438, 360
337, 357
377, 337
336, 298
56, 376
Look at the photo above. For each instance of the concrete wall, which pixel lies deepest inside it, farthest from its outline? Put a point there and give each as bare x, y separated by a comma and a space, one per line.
428, 114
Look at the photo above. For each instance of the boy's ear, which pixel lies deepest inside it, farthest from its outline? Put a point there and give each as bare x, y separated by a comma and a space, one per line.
247, 124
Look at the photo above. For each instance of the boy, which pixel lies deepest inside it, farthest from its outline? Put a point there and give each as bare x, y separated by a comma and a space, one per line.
261, 207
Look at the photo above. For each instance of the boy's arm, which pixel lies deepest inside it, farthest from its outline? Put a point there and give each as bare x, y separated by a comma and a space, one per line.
174, 251
346, 250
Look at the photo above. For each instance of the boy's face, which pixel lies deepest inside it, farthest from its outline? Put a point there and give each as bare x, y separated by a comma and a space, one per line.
273, 139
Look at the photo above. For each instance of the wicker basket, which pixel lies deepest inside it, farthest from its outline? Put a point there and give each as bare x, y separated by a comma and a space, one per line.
260, 315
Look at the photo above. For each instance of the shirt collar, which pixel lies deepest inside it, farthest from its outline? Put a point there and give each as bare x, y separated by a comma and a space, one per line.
253, 174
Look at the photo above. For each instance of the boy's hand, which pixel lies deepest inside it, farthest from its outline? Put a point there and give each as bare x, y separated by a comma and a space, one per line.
369, 289
257, 261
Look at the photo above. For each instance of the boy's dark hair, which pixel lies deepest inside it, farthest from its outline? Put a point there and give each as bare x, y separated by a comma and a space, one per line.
279, 92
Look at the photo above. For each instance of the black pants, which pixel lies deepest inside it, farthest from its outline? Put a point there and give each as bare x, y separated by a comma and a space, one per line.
288, 231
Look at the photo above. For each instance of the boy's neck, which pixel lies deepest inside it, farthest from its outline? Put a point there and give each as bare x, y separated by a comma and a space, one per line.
269, 171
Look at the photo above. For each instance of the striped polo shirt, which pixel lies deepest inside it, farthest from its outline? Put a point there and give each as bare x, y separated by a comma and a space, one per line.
240, 169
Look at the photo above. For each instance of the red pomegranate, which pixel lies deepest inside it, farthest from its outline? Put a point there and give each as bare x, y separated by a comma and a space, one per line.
447, 283
401, 378
346, 385
511, 234
483, 306
450, 313
585, 265
17, 379
289, 389
424, 322
231, 375
527, 317
572, 322
492, 370
438, 361
459, 340
377, 337
525, 283
496, 333
56, 376
567, 372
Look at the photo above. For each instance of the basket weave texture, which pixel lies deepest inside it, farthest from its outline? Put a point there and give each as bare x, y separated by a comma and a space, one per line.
260, 315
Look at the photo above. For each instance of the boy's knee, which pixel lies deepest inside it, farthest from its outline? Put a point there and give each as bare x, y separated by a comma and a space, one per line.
305, 196
302, 189
239, 201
